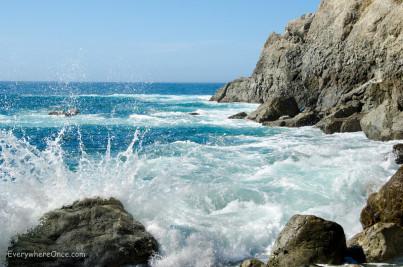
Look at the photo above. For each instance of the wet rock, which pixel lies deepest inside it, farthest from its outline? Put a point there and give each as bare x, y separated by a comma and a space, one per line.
308, 118
100, 228
355, 254
252, 263
194, 113
72, 112
240, 115
387, 204
56, 113
274, 109
351, 124
398, 152
332, 124
382, 242
308, 240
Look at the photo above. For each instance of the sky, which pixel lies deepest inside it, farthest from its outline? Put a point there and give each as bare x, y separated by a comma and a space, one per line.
138, 40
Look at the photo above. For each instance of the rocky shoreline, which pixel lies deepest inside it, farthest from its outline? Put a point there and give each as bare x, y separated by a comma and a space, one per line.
340, 69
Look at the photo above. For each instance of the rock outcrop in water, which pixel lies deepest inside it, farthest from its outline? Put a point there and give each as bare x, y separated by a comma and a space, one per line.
347, 56
308, 240
398, 152
101, 229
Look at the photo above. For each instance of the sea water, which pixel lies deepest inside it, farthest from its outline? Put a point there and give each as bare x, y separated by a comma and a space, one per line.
213, 191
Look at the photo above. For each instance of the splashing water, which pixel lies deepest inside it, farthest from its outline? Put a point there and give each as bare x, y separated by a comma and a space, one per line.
212, 191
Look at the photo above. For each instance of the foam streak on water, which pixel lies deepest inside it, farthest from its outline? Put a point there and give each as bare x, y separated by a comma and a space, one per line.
210, 201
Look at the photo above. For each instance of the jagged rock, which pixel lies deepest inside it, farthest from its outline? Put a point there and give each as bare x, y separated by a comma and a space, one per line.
274, 109
357, 59
252, 263
398, 152
240, 115
308, 118
100, 228
387, 204
308, 240
381, 242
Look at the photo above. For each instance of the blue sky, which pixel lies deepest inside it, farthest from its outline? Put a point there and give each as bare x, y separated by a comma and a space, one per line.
138, 40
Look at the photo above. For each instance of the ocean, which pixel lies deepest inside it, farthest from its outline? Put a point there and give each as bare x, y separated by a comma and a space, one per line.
213, 191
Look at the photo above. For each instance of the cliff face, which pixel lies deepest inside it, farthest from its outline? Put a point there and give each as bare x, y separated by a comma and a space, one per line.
350, 52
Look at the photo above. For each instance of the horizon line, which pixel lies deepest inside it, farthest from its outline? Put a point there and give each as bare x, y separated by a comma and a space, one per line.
66, 82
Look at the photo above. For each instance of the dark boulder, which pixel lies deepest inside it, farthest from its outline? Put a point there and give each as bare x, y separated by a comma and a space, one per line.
100, 229
239, 116
398, 152
308, 118
307, 239
387, 204
382, 242
194, 113
275, 108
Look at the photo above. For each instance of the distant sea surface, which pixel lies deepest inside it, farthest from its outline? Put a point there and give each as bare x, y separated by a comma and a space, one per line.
213, 191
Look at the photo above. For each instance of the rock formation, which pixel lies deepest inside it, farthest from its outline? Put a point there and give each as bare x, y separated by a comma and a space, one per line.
381, 242
348, 54
386, 205
101, 229
238, 116
308, 240
252, 263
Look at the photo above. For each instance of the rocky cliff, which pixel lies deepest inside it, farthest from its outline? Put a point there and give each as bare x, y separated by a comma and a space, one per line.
348, 54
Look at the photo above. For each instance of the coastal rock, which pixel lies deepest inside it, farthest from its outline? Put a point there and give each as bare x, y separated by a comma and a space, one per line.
68, 113
354, 66
381, 242
239, 116
252, 263
274, 109
308, 118
194, 113
308, 240
100, 228
387, 204
334, 124
398, 152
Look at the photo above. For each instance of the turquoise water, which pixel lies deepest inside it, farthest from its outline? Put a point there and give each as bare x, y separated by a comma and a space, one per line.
213, 191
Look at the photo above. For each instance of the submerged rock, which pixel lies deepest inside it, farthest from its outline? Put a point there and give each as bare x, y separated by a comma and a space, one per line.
381, 242
194, 113
274, 109
68, 113
387, 204
252, 263
100, 228
307, 239
398, 152
240, 115
354, 66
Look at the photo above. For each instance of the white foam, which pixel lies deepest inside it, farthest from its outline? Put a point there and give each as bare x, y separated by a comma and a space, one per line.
206, 204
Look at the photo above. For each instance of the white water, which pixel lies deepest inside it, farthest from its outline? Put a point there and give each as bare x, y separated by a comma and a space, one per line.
206, 204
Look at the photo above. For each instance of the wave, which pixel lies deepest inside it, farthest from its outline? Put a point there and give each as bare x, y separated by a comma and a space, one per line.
208, 205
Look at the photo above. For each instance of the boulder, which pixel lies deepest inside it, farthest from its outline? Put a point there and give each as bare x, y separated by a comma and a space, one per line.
274, 109
252, 263
307, 239
351, 124
387, 204
382, 242
101, 229
239, 116
398, 152
333, 124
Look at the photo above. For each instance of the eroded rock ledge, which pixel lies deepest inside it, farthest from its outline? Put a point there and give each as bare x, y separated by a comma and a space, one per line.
348, 54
